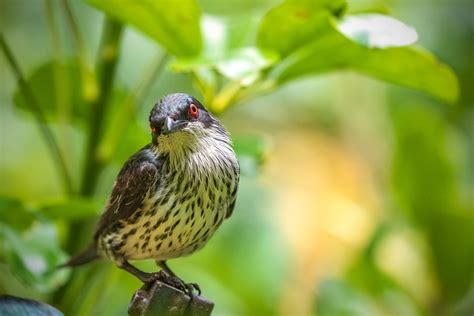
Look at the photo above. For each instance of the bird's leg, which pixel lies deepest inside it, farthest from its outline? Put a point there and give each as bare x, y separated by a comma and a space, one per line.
145, 277
186, 287
162, 264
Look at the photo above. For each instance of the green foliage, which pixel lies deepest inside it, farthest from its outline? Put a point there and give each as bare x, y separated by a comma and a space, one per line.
338, 298
294, 23
29, 245
296, 38
14, 214
410, 67
174, 24
425, 186
53, 95
313, 41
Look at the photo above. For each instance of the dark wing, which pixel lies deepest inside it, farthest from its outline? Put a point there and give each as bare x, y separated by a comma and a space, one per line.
233, 194
137, 177
230, 210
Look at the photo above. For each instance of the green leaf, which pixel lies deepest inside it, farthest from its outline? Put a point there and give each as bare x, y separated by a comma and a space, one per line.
245, 65
14, 214
406, 66
375, 30
227, 50
411, 67
54, 96
236, 7
325, 52
62, 99
173, 24
34, 255
72, 210
30, 247
223, 35
295, 22
367, 6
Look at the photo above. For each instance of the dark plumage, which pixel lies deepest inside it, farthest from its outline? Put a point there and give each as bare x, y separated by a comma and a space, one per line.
171, 196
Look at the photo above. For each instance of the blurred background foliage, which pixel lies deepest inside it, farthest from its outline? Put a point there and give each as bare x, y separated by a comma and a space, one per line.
356, 196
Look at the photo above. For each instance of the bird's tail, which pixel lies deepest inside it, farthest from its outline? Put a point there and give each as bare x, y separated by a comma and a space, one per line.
87, 255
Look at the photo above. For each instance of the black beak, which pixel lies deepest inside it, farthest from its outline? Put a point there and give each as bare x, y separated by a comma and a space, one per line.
170, 125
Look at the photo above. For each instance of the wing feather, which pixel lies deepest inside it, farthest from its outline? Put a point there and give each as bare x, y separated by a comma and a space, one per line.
138, 176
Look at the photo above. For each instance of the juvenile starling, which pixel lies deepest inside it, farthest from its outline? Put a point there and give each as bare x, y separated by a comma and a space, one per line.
171, 196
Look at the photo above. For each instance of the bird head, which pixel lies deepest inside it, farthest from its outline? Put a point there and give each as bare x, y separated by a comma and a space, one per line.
179, 121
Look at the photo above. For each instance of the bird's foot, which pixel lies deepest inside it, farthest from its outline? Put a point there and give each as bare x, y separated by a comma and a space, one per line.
176, 282
187, 288
152, 277
192, 287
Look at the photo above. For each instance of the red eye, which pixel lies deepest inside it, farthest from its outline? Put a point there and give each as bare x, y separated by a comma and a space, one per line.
153, 130
193, 110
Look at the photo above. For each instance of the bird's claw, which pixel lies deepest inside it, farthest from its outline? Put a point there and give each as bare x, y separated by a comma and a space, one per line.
171, 280
187, 288
179, 284
193, 287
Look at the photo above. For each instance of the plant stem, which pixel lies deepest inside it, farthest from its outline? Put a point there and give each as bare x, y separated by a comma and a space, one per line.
81, 47
61, 79
90, 90
106, 65
225, 97
36, 109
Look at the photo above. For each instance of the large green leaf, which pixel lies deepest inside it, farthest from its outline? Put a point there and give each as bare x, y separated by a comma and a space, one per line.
327, 51
295, 22
408, 66
222, 35
311, 41
412, 67
173, 24
368, 6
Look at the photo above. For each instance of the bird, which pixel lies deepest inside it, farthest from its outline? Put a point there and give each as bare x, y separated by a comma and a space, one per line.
171, 196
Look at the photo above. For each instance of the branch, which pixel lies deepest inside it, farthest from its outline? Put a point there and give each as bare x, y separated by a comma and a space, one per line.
76, 33
61, 80
37, 111
90, 90
164, 300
